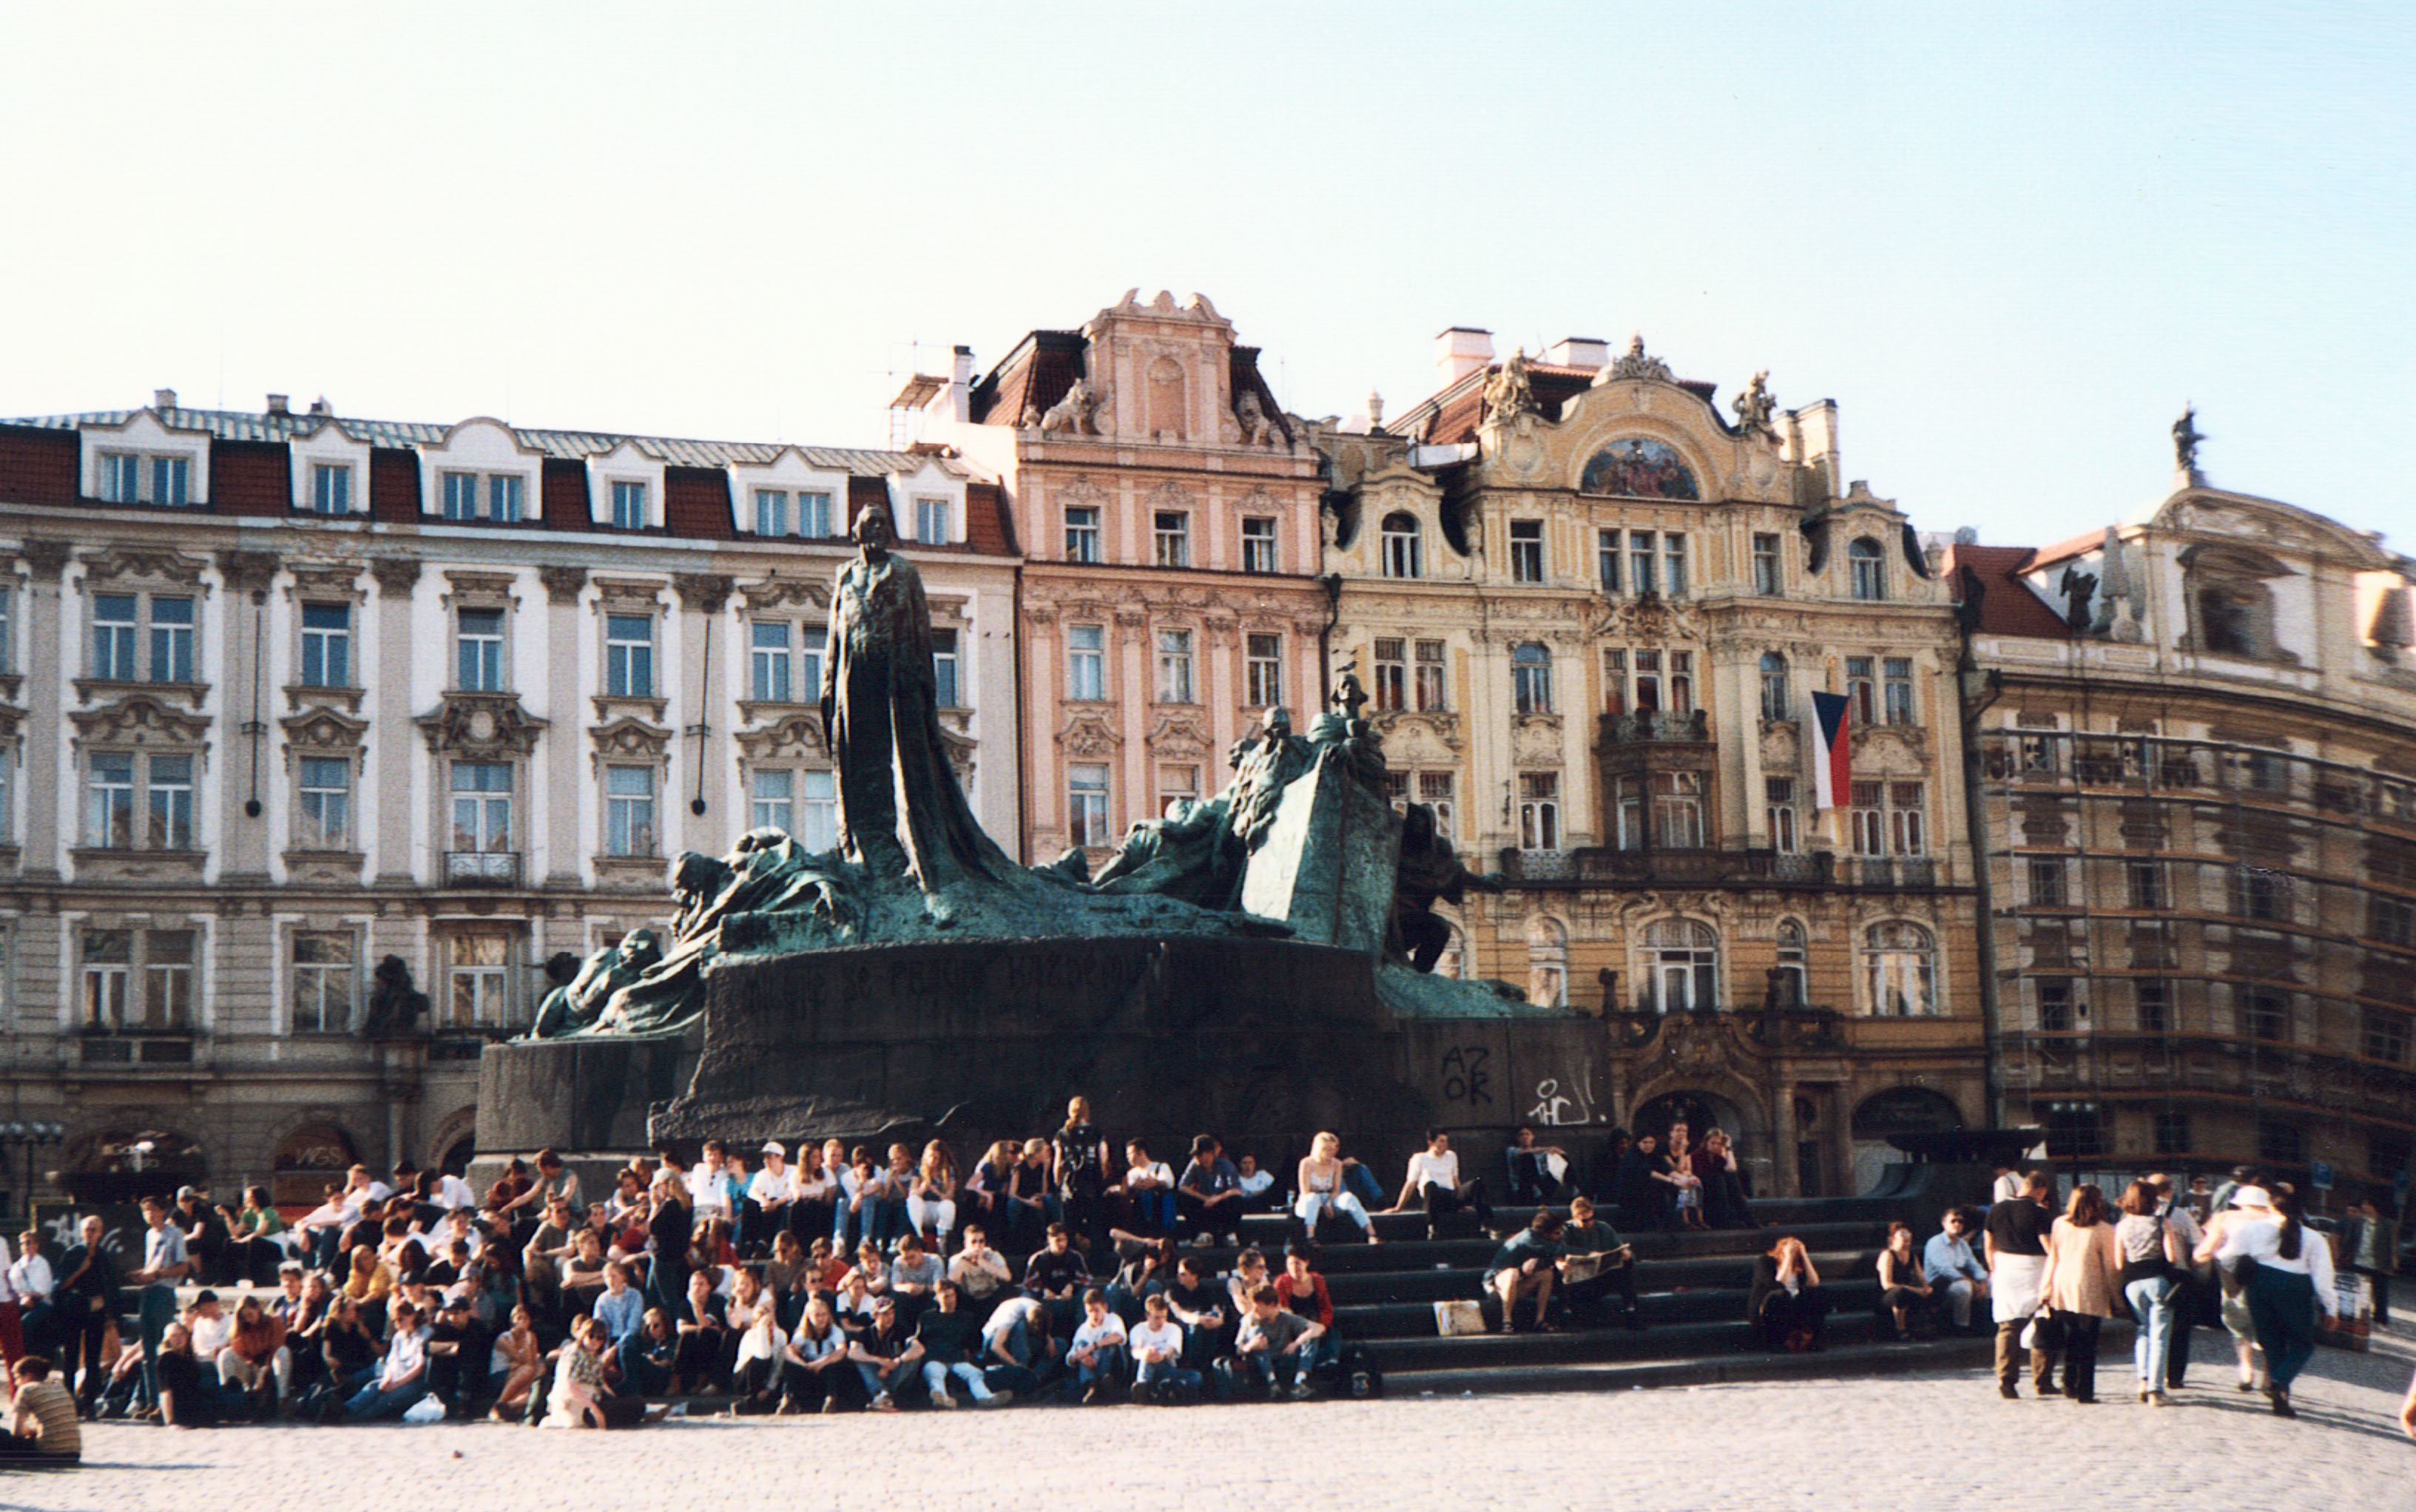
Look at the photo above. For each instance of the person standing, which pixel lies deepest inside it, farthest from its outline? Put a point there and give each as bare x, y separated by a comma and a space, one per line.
1082, 1176
2015, 1240
31, 1278
2248, 1205
165, 1263
2375, 1255
2192, 1283
2084, 1275
2153, 1253
2292, 1279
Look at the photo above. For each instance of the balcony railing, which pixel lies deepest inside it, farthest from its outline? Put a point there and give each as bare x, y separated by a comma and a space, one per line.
102, 1049
482, 869
1695, 868
1692, 727
1807, 1029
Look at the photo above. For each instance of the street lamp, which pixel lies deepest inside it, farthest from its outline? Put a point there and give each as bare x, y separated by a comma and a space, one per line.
28, 1135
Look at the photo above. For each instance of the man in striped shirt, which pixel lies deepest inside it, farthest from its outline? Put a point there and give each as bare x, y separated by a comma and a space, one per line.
42, 1424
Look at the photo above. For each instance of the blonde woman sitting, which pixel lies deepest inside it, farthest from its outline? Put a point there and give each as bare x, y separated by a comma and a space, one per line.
1321, 1188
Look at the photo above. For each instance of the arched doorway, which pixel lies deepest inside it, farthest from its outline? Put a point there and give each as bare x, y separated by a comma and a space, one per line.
306, 1160
1907, 1109
1700, 1110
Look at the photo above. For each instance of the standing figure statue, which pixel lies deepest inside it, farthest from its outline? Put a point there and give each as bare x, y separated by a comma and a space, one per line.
2186, 435
900, 808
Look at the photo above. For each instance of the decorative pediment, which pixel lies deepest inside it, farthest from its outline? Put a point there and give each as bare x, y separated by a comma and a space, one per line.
1430, 739
326, 579
628, 596
627, 739
136, 567
481, 724
785, 592
1649, 619
1891, 751
141, 720
1087, 735
480, 590
1177, 734
792, 736
563, 584
1536, 740
1169, 496
1636, 363
702, 593
322, 731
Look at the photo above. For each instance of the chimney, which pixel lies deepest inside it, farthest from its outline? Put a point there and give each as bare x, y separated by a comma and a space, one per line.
1461, 351
960, 385
1588, 352
278, 404
163, 398
321, 406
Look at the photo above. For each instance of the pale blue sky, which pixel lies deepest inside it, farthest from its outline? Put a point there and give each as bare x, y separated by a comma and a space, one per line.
2009, 246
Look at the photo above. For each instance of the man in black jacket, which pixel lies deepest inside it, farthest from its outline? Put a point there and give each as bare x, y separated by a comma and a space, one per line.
87, 1292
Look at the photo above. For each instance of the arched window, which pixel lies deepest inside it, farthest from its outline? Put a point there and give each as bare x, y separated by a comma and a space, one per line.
1547, 963
1867, 565
1531, 677
1681, 962
1404, 547
1901, 963
1792, 984
1775, 702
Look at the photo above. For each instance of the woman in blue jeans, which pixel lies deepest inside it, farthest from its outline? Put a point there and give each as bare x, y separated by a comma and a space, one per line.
2152, 1258
2292, 1279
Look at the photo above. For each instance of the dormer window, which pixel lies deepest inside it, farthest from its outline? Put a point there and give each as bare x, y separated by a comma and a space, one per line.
1404, 556
133, 478
497, 497
812, 517
934, 519
771, 511
331, 488
1868, 566
629, 507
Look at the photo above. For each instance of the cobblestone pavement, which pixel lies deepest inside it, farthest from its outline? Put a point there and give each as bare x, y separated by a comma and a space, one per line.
1912, 1442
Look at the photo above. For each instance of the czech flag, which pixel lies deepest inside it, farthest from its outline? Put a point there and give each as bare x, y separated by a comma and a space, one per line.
1831, 749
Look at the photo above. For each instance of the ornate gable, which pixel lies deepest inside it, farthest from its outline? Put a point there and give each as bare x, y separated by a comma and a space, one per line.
481, 724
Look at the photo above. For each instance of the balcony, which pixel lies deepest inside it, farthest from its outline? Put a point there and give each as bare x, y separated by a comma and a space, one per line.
1655, 726
1902, 871
100, 1047
482, 869
1768, 1029
1598, 866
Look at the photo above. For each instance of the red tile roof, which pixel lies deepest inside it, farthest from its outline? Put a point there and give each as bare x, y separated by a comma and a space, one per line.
394, 485
562, 495
696, 502
38, 466
987, 529
2077, 546
2007, 606
867, 493
1032, 376
250, 478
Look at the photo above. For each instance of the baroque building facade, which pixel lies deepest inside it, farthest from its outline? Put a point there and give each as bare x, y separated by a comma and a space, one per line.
289, 694
2197, 761
1592, 610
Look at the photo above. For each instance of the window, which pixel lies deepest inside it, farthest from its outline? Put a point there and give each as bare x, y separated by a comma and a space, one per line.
1673, 564
331, 488
1899, 705
172, 640
131, 477
327, 645
167, 977
478, 650
109, 800
2153, 998
1262, 671
1177, 785
1908, 819
813, 514
771, 511
1627, 801
1392, 674
1643, 575
2172, 1131
1768, 567
1547, 963
2390, 920
628, 656
1404, 547
1429, 689
1081, 533
115, 632
461, 495
1606, 559
1647, 684
1086, 804
477, 971
1435, 792
2055, 1007
770, 663
121, 478
1862, 692
1174, 666
2045, 877
1681, 682
2074, 1130
2264, 896
629, 507
1866, 571
1539, 810
325, 790
482, 808
2266, 1016
1902, 966
629, 811
935, 518
772, 801
948, 690
1086, 658
1778, 792
325, 981
818, 815
1531, 677
2386, 1036
2145, 881
504, 498
1257, 543
1526, 551
108, 979
171, 476
7, 822
498, 500
1678, 810
8, 630
169, 792
2283, 1143
1681, 966
1869, 818
1172, 528
1794, 979
1775, 702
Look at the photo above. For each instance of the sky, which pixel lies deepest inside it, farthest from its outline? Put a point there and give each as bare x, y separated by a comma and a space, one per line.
2011, 242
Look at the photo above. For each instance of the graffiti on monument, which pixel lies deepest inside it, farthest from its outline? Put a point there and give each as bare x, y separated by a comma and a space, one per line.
1464, 1076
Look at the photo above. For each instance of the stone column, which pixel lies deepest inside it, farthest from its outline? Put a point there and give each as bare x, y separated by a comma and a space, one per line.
563, 586
246, 752
392, 760
1136, 639
46, 647
1736, 714
698, 723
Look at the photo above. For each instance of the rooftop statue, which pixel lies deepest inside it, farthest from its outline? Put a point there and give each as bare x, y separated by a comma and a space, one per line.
1511, 392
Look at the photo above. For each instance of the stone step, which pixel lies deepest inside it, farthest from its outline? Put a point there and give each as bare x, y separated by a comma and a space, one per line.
1416, 1252
1659, 1309
1487, 1352
1697, 1272
1839, 1360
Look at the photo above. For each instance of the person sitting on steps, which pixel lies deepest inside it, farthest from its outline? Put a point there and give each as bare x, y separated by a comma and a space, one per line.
1526, 1266
1597, 1263
1321, 1187
1433, 1178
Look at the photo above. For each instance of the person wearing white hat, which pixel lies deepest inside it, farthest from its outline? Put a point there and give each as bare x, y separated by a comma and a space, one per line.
2248, 1203
2291, 1282
769, 1192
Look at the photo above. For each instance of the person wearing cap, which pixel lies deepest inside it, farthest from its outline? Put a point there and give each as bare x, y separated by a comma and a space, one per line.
769, 1192
884, 1355
458, 1351
2246, 1203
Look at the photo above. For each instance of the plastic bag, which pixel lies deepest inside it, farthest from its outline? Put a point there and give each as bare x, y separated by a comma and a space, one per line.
423, 1411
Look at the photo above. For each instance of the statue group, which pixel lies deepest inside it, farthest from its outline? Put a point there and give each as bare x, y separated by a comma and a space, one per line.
912, 863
